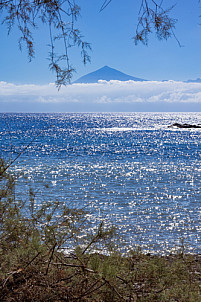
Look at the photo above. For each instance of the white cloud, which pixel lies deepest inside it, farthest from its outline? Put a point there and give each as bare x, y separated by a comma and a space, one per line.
102, 96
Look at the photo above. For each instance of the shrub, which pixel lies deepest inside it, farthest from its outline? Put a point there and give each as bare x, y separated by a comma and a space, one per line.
41, 258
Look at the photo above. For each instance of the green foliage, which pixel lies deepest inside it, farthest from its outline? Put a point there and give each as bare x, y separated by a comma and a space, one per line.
60, 17
35, 266
152, 17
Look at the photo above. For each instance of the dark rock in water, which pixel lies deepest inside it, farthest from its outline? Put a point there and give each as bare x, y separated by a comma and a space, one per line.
184, 126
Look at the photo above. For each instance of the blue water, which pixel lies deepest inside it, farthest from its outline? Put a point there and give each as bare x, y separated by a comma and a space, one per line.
130, 170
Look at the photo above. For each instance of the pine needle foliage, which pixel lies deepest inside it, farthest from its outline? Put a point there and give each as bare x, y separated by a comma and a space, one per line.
60, 16
35, 266
153, 17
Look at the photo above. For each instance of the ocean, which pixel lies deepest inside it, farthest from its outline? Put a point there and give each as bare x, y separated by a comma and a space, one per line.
127, 169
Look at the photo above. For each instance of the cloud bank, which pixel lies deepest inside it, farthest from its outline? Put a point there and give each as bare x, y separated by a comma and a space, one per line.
102, 96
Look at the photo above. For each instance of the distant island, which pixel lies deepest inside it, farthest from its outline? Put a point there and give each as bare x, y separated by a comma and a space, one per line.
198, 80
106, 74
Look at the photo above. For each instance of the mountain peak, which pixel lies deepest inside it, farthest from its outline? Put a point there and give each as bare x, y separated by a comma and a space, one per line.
198, 80
106, 73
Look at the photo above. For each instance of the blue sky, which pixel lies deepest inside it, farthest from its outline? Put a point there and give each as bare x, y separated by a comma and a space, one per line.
110, 34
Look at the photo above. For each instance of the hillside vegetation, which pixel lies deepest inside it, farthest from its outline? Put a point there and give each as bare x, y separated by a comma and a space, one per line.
41, 258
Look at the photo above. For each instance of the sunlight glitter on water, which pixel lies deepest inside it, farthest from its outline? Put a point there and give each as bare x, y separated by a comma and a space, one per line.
128, 170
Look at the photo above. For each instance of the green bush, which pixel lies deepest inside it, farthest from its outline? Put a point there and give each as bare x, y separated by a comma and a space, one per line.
41, 258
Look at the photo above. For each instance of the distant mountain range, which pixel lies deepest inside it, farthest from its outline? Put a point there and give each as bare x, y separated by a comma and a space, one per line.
198, 80
107, 74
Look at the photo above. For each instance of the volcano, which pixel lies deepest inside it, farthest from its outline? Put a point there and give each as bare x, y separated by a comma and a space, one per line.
107, 74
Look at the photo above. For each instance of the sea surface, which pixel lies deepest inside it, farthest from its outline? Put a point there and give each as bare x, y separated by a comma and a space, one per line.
130, 170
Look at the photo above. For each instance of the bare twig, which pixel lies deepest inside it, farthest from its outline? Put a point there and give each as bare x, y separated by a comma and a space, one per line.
91, 289
75, 266
105, 4
50, 259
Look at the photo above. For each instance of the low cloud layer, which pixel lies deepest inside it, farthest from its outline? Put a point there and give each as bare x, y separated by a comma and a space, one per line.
103, 96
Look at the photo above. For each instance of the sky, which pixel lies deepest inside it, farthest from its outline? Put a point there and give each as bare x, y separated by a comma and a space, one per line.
27, 86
